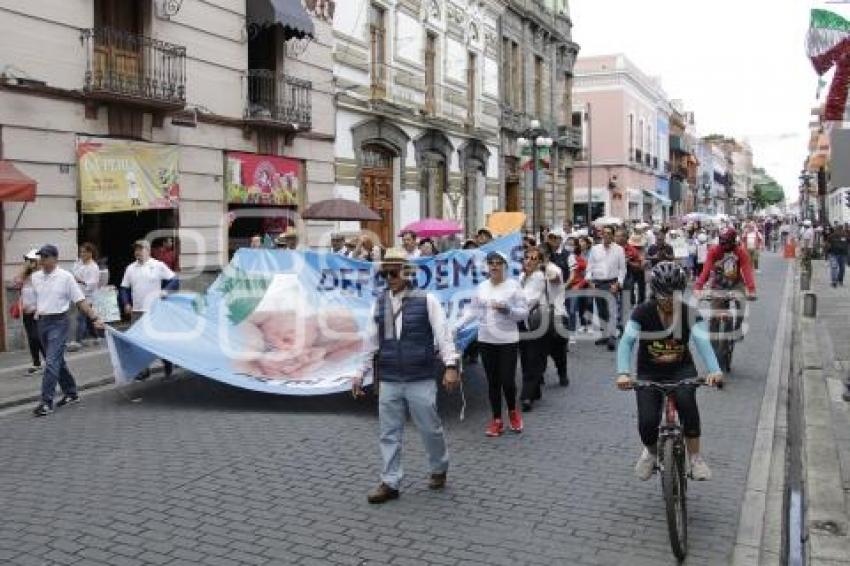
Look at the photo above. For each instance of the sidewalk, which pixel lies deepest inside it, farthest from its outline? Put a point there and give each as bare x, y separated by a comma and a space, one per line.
824, 361
90, 366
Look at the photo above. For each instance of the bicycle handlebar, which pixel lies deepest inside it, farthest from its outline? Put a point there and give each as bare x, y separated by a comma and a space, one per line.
667, 387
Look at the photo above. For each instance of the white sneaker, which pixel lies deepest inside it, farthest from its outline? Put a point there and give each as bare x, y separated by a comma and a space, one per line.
699, 469
645, 465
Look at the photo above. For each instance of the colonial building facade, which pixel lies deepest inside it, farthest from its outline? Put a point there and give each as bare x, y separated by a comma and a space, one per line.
625, 156
417, 124
537, 60
202, 122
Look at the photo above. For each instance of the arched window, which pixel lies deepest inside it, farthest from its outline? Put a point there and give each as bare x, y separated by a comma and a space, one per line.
377, 157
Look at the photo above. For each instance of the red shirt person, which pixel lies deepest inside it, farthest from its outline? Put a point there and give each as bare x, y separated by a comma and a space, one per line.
727, 265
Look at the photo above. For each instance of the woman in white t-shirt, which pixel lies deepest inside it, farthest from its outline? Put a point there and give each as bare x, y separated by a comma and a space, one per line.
499, 304
532, 346
87, 273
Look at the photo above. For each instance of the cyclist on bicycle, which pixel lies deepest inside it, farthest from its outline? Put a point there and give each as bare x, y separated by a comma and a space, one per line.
728, 266
663, 329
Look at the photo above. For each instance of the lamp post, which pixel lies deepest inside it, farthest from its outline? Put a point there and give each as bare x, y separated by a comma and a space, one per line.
805, 185
536, 138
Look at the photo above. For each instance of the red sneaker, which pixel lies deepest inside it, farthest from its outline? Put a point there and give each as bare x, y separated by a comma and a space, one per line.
495, 428
515, 420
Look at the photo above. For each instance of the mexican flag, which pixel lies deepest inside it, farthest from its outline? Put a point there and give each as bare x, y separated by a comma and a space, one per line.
828, 45
544, 159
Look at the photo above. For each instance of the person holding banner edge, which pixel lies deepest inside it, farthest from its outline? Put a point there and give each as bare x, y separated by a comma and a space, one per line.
408, 340
498, 305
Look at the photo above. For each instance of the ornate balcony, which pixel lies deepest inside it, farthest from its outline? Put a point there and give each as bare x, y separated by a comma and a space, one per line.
513, 120
278, 101
134, 69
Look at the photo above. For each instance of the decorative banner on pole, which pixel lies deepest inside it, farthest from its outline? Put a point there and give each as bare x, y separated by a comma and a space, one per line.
525, 162
828, 45
289, 322
120, 175
543, 157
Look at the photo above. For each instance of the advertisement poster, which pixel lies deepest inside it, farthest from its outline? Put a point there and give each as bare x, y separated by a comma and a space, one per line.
262, 179
120, 175
291, 322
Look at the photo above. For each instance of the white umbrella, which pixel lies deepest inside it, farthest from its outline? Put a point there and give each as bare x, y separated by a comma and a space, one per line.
607, 221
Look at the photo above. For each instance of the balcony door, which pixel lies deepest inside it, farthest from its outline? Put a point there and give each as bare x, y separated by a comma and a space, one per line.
376, 191
119, 47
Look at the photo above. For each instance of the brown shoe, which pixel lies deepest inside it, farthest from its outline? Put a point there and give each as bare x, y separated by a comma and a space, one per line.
437, 481
382, 494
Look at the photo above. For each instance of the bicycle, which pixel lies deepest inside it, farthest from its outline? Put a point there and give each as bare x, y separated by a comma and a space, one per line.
672, 462
723, 325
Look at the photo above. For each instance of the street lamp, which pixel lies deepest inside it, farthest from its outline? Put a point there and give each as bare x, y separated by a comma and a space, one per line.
535, 138
805, 185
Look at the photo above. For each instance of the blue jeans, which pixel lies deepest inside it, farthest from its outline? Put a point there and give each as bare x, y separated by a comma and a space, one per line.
53, 332
837, 263
420, 399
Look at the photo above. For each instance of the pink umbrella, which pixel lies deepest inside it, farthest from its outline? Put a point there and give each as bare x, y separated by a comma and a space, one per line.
433, 227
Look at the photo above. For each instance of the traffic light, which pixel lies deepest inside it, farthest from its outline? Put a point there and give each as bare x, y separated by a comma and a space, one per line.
847, 199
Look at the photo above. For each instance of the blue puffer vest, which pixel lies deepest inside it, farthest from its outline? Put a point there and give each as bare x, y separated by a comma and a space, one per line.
412, 356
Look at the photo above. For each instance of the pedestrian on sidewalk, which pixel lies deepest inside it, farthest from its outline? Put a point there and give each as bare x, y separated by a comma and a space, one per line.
409, 338
87, 273
498, 305
55, 290
145, 280
28, 308
606, 266
836, 248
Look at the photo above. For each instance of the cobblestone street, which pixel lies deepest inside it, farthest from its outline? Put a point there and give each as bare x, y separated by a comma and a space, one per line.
192, 472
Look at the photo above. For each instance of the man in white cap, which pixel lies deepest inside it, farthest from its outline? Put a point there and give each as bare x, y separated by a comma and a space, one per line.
409, 338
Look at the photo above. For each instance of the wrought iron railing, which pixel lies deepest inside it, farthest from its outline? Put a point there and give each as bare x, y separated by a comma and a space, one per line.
132, 65
278, 97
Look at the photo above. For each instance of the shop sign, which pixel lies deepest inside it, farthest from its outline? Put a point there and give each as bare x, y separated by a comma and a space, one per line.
121, 175
262, 179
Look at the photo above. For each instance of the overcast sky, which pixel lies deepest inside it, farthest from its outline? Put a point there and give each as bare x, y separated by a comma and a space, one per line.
740, 65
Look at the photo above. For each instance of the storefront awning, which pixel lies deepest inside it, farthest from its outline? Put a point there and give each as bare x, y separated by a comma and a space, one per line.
14, 185
289, 14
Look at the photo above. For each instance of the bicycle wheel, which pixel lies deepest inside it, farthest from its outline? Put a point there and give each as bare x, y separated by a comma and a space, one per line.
673, 482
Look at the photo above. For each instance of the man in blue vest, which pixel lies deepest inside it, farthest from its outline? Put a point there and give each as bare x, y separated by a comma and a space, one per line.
409, 339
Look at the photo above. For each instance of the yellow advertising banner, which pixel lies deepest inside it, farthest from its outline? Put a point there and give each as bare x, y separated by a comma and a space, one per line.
121, 175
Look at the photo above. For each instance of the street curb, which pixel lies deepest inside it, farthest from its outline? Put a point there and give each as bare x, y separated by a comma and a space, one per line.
748, 544
826, 518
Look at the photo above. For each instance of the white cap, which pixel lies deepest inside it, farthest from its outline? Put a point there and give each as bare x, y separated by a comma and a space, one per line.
807, 222
32, 254
702, 237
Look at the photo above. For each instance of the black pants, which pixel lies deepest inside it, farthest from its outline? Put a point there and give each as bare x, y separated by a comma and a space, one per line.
638, 279
499, 362
650, 404
533, 359
33, 341
602, 306
556, 342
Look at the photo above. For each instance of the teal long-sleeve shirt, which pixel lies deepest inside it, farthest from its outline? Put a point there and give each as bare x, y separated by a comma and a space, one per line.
699, 338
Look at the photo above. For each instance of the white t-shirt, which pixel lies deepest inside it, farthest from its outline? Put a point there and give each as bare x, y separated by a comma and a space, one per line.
54, 292
89, 274
495, 327
145, 282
